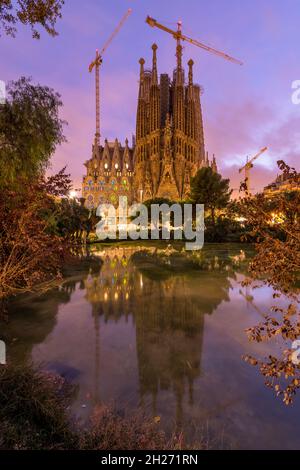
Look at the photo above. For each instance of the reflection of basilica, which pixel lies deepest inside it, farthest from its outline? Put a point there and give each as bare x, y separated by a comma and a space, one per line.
156, 298
168, 314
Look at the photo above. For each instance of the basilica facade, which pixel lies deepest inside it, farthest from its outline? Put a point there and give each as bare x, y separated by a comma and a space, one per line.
168, 148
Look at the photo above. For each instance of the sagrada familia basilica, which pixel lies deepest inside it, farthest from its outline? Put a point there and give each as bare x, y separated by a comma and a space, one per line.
168, 148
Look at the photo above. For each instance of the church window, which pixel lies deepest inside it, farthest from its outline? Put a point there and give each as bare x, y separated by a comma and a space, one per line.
105, 166
116, 166
114, 185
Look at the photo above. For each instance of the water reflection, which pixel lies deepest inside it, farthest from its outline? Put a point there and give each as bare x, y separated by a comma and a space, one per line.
158, 328
167, 293
32, 317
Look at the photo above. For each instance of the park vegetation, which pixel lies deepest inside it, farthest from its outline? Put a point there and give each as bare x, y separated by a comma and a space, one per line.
32, 13
275, 227
38, 220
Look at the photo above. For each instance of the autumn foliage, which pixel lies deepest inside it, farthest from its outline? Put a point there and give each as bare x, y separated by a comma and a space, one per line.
275, 225
30, 251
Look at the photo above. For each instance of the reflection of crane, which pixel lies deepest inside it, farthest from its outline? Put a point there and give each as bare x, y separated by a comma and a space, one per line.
250, 301
247, 168
177, 35
96, 63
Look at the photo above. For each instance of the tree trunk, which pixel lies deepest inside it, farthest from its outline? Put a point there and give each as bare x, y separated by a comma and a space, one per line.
213, 215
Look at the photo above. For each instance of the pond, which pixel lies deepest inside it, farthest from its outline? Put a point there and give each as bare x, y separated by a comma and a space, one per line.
148, 326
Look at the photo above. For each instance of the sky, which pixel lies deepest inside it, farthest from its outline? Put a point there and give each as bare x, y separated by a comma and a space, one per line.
244, 107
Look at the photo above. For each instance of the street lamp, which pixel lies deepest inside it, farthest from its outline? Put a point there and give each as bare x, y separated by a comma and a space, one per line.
72, 194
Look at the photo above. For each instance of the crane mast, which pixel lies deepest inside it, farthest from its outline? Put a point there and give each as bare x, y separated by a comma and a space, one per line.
177, 35
247, 167
96, 64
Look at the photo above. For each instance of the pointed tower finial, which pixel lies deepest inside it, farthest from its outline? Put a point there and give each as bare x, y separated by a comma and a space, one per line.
154, 66
142, 76
142, 63
190, 64
179, 56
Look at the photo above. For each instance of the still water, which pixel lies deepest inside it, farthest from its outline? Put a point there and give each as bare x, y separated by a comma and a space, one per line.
154, 328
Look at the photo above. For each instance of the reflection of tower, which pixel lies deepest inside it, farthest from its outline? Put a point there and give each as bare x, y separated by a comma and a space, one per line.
168, 311
169, 331
90, 286
97, 356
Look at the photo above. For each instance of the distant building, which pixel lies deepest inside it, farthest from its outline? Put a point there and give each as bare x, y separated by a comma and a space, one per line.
109, 174
169, 147
281, 184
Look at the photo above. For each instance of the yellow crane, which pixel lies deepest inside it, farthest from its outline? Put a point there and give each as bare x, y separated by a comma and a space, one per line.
177, 35
247, 167
96, 64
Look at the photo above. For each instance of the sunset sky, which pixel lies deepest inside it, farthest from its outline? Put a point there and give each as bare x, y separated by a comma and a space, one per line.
244, 108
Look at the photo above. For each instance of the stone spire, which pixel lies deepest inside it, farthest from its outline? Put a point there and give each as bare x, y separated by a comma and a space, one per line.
179, 69
179, 56
190, 64
190, 112
154, 80
142, 77
141, 112
154, 117
214, 164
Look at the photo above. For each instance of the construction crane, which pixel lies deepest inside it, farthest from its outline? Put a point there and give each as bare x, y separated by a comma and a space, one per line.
247, 167
177, 35
96, 64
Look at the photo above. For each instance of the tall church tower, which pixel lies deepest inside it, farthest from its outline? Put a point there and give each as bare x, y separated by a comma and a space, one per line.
169, 145
169, 132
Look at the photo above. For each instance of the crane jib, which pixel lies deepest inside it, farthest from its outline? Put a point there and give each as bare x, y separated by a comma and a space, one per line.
177, 35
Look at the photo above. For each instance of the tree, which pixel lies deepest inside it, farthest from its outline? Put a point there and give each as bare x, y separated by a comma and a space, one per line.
36, 227
30, 12
30, 130
275, 225
210, 189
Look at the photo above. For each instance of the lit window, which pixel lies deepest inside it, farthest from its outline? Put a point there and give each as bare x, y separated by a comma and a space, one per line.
127, 166
105, 166
116, 166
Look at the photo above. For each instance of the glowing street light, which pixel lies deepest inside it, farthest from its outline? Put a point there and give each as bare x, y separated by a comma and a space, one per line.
72, 194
